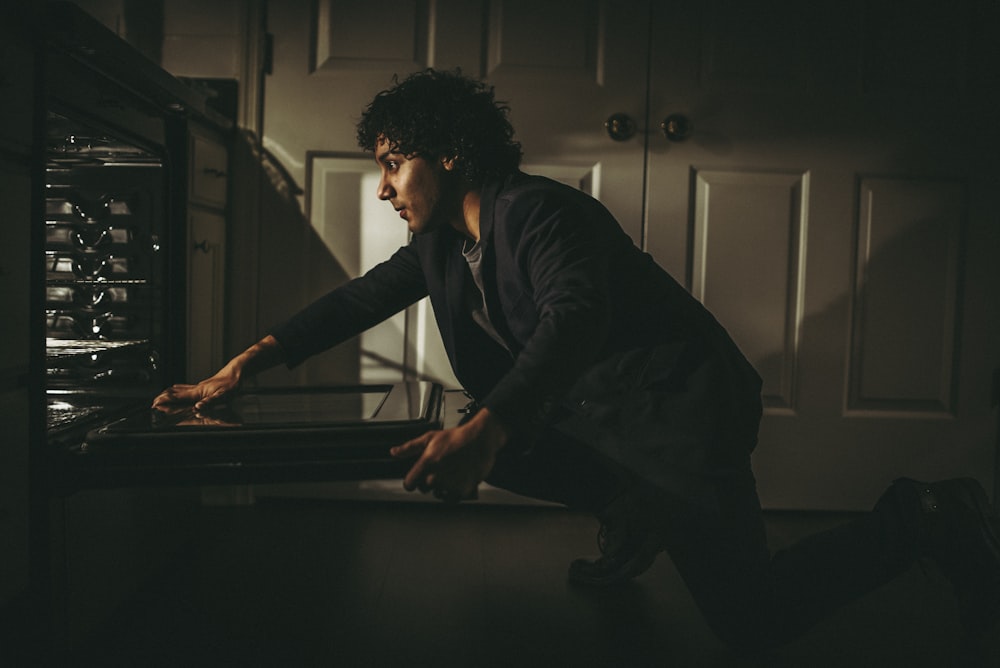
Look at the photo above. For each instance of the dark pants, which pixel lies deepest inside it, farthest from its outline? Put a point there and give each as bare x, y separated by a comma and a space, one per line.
753, 600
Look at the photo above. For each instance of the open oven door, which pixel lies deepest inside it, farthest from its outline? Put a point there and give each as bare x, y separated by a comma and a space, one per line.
263, 435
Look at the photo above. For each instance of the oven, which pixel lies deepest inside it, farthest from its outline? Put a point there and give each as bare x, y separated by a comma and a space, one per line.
106, 191
112, 233
117, 159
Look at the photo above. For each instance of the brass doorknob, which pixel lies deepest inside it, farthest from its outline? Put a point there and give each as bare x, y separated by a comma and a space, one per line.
620, 127
677, 127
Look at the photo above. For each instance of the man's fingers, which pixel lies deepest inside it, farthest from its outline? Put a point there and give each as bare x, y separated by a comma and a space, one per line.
175, 393
423, 472
213, 398
412, 448
439, 467
416, 478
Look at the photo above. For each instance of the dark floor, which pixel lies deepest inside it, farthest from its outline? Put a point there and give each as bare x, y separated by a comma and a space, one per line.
347, 583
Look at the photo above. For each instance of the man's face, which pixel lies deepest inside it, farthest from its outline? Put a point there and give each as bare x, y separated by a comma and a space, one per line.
420, 190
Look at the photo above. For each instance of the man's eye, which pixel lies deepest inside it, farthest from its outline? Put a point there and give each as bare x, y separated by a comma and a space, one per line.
391, 164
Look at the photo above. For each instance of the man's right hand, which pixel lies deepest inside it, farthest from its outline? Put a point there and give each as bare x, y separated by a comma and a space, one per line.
210, 391
262, 355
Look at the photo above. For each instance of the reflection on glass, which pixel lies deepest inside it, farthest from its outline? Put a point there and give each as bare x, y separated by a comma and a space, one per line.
282, 409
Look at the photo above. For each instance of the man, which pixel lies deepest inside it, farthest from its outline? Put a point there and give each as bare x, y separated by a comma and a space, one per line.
600, 383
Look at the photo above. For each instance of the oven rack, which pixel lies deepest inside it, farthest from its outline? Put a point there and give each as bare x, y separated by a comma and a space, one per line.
67, 349
97, 282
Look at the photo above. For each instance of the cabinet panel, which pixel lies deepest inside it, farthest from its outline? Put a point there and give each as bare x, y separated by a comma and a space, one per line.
209, 171
16, 90
739, 217
13, 494
206, 289
908, 254
519, 35
343, 38
15, 202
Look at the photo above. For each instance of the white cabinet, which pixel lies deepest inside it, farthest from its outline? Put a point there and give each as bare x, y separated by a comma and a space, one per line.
206, 292
209, 175
206, 276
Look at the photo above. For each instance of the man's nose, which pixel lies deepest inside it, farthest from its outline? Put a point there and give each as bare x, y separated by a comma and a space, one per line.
384, 189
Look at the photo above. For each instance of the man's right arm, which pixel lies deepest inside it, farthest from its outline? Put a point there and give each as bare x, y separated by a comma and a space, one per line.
262, 355
383, 291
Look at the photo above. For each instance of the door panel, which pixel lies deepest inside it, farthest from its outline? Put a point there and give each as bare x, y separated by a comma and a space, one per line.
909, 235
740, 217
344, 35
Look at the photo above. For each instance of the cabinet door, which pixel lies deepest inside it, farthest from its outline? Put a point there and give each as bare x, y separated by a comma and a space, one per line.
835, 207
15, 200
206, 290
13, 494
209, 175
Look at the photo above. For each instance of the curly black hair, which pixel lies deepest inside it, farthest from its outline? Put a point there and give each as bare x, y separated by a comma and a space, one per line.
436, 114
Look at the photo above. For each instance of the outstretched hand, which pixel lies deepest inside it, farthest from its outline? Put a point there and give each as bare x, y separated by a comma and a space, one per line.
262, 355
452, 462
201, 395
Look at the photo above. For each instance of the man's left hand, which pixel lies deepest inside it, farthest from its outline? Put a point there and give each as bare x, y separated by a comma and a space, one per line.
452, 462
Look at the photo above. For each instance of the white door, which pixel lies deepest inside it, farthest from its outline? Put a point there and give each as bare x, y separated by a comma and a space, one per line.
835, 207
562, 72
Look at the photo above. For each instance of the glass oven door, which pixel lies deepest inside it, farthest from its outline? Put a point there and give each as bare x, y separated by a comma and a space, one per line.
266, 435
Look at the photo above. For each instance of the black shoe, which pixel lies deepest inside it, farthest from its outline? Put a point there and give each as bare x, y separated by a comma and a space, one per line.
961, 532
629, 541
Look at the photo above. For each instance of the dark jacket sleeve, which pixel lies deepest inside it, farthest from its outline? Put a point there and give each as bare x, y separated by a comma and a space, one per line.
354, 307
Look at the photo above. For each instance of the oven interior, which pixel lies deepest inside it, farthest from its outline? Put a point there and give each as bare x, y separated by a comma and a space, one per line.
105, 271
